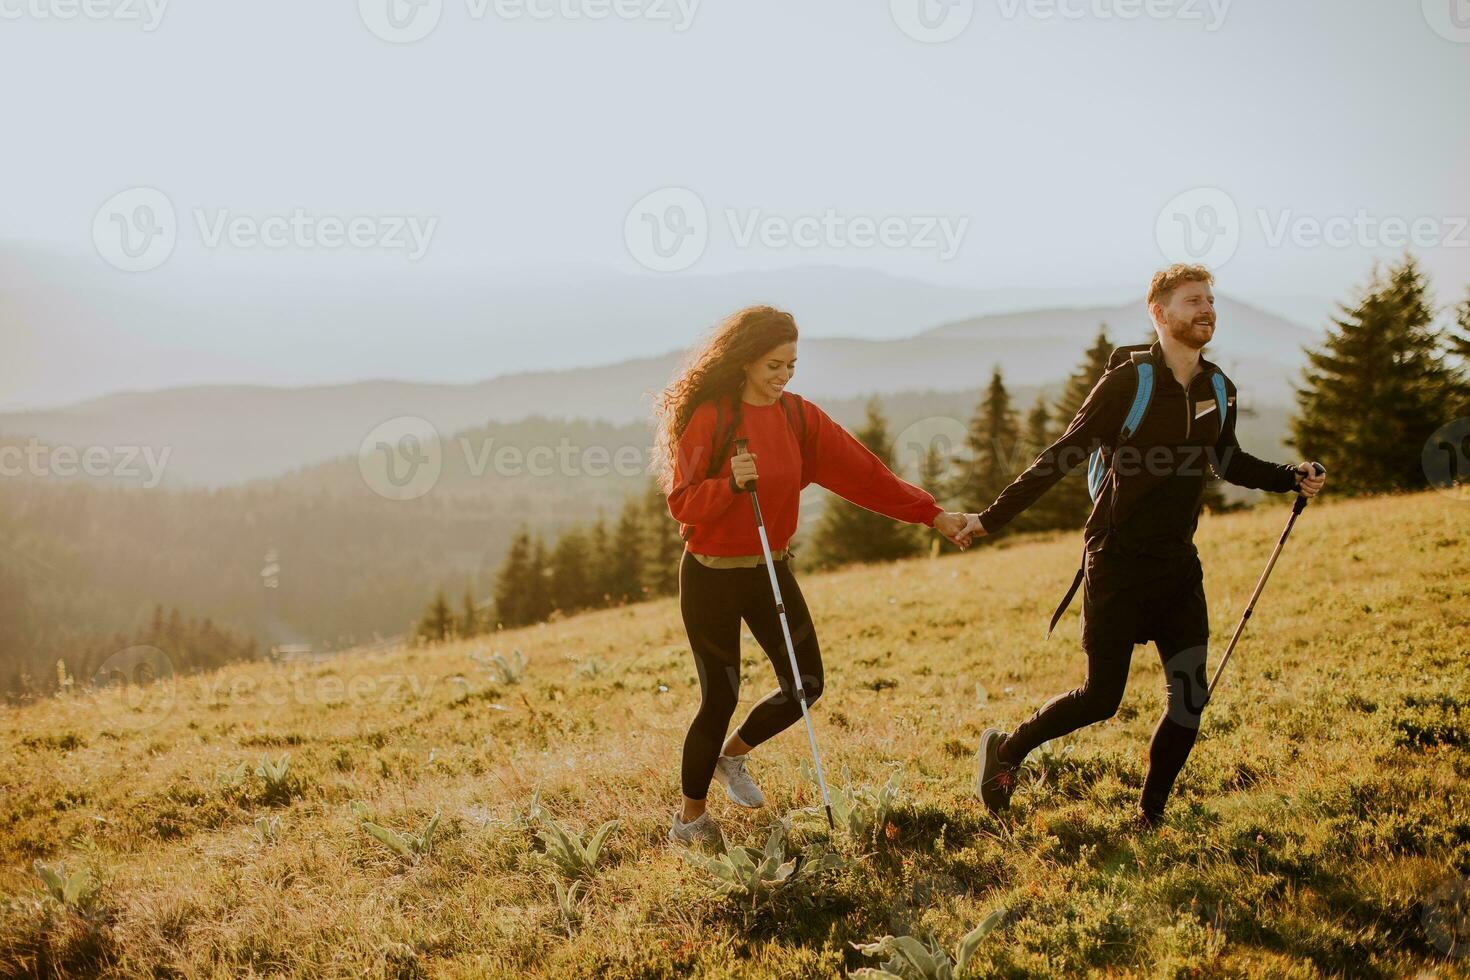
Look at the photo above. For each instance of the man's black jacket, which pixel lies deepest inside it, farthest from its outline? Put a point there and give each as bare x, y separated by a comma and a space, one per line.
1150, 500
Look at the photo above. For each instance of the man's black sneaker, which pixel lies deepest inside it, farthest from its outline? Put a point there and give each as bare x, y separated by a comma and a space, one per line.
995, 780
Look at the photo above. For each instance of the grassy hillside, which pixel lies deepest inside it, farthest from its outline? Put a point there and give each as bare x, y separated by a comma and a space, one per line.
1322, 810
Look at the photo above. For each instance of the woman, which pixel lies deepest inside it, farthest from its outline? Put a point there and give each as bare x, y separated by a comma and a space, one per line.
734, 388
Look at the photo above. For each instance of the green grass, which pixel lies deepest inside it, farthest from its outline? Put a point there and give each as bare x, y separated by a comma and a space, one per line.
1321, 809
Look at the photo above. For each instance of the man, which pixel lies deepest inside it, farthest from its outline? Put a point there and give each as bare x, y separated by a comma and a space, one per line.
1141, 572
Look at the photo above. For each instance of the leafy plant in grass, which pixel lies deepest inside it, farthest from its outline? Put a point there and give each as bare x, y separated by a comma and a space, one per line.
231, 779
569, 903
277, 775
590, 669
503, 670
412, 847
915, 959
859, 812
759, 877
267, 831
77, 891
565, 850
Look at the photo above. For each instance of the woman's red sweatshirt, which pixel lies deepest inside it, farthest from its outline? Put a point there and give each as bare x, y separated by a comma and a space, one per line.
706, 508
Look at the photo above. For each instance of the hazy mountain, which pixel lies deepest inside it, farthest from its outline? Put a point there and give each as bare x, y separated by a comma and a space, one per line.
223, 434
73, 328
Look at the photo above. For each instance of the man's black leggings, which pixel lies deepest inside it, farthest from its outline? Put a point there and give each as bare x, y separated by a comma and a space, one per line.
713, 602
1129, 600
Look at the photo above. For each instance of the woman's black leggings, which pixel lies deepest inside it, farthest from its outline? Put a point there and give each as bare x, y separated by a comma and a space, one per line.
713, 602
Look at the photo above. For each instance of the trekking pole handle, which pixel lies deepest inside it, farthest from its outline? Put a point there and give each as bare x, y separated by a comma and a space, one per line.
1301, 498
740, 450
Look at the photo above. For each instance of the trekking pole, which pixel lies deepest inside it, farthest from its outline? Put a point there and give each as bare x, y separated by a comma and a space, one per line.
1297, 508
811, 733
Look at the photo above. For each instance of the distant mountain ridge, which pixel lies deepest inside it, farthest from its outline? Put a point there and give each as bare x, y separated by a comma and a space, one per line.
229, 434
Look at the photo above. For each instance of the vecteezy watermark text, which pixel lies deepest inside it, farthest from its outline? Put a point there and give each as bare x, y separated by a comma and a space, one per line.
407, 21
137, 230
1205, 225
40, 460
147, 14
669, 229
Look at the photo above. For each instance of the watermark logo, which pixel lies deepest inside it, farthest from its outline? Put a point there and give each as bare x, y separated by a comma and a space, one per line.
1450, 19
42, 461
1363, 229
401, 21
1446, 459
136, 230
143, 682
1199, 226
932, 21
1210, 13
148, 14
402, 458
1186, 687
1446, 917
407, 21
667, 230
932, 447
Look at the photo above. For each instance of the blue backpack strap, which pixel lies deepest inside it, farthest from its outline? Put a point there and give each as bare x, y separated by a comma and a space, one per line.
1143, 393
1222, 401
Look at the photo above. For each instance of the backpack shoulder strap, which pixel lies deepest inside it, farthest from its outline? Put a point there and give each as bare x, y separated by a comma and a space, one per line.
795, 406
1143, 393
1222, 399
724, 438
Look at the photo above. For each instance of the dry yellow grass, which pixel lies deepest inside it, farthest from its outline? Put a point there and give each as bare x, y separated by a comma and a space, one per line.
1322, 807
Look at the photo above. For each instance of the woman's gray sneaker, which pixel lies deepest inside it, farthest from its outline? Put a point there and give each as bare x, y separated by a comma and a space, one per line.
742, 790
701, 832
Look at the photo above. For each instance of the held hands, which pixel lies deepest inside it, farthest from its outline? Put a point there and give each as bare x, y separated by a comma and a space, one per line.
1310, 478
959, 528
742, 469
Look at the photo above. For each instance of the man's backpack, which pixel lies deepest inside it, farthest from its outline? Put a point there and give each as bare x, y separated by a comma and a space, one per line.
1143, 393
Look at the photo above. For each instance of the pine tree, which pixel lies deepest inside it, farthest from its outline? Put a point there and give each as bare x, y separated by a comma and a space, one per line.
1044, 515
1069, 499
849, 533
437, 624
512, 584
625, 569
1378, 386
600, 561
470, 620
571, 587
1459, 343
663, 548
538, 583
934, 473
993, 445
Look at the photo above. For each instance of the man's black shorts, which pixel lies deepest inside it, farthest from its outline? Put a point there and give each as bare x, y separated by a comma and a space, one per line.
1128, 600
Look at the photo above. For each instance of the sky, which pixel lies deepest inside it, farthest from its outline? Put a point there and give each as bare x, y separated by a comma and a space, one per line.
989, 145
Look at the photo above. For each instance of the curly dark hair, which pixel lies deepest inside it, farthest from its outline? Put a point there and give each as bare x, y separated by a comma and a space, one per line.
715, 369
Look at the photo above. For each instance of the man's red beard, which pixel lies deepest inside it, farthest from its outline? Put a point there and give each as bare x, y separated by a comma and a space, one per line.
1191, 333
